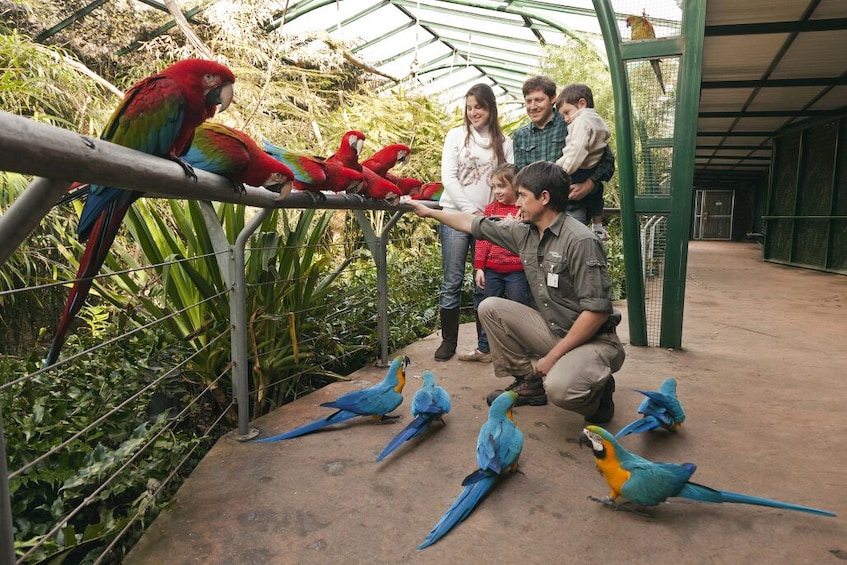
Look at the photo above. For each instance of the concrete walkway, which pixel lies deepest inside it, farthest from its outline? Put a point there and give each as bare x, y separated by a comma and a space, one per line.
763, 378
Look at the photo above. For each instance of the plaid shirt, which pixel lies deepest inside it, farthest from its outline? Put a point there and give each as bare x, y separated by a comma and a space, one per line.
532, 144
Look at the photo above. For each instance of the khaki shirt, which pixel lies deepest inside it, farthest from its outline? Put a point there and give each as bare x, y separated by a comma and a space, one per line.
565, 266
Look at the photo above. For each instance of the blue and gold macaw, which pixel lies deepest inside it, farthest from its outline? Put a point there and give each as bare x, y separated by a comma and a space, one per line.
660, 409
497, 450
646, 483
376, 402
430, 403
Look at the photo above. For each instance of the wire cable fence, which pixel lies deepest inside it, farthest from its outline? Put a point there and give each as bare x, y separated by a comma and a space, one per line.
100, 440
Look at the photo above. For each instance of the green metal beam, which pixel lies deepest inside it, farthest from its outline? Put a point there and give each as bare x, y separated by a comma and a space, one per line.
636, 313
77, 15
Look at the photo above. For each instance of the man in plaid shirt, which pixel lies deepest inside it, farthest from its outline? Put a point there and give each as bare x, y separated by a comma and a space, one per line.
546, 135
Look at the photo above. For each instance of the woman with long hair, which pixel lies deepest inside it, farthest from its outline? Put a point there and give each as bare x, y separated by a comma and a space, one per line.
471, 152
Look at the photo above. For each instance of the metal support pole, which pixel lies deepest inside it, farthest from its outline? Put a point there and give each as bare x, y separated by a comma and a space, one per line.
238, 315
7, 530
26, 213
378, 248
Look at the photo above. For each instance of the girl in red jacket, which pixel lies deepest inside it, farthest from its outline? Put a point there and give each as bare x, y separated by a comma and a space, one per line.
497, 271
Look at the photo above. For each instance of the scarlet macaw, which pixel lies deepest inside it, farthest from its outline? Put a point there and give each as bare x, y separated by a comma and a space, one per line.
646, 483
660, 409
383, 160
349, 150
497, 450
642, 28
231, 153
378, 188
376, 402
158, 115
430, 403
429, 191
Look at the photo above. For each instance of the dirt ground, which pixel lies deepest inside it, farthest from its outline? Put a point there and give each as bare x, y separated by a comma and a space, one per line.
761, 376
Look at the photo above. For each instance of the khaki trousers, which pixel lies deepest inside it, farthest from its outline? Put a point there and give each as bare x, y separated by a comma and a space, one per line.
518, 335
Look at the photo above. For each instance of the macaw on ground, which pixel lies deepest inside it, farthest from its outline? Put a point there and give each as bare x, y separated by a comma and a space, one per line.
660, 409
646, 483
158, 115
429, 404
376, 402
497, 450
233, 154
642, 28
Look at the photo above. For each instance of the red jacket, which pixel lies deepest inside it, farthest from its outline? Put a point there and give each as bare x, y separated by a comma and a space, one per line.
494, 257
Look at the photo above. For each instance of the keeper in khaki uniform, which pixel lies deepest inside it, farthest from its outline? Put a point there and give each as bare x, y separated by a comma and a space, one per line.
571, 336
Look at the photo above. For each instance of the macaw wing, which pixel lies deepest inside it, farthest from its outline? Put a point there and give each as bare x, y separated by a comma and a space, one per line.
216, 149
370, 401
306, 169
639, 426
149, 117
651, 483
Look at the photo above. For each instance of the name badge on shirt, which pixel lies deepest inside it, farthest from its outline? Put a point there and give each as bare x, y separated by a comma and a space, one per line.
553, 280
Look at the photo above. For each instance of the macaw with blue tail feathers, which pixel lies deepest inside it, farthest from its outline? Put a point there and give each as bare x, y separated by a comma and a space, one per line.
497, 450
158, 116
376, 402
660, 409
646, 483
430, 403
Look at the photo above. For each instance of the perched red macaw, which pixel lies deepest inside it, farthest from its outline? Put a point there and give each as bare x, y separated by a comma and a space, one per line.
306, 169
377, 187
349, 150
409, 186
158, 115
233, 154
338, 179
429, 191
383, 160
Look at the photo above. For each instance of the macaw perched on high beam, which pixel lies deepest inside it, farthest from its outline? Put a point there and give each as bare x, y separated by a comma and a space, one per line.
158, 115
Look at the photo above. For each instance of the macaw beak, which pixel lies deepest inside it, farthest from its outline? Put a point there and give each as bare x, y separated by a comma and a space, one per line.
583, 440
222, 95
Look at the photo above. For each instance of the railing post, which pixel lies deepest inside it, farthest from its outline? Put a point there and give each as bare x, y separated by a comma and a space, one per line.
238, 315
7, 530
377, 246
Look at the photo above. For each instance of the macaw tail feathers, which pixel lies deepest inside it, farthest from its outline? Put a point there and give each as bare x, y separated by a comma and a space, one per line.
658, 70
100, 240
414, 429
706, 494
468, 499
335, 418
642, 425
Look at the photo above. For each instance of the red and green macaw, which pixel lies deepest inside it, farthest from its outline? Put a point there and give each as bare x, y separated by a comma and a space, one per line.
349, 150
429, 404
660, 410
429, 191
409, 186
314, 174
497, 450
233, 154
378, 188
158, 115
646, 483
383, 160
306, 169
376, 402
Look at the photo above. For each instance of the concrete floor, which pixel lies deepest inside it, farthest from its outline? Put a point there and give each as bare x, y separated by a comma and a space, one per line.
762, 378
